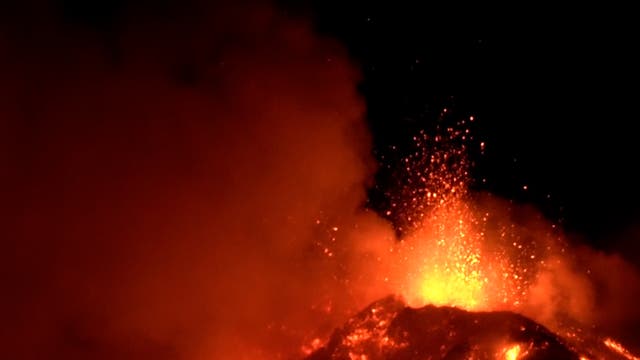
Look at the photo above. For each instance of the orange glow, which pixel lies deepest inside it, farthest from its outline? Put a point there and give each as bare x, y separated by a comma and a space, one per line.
459, 249
444, 258
512, 352
213, 203
617, 347
312, 346
457, 288
448, 260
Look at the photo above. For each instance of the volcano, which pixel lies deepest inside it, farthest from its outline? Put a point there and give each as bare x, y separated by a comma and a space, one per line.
389, 329
475, 278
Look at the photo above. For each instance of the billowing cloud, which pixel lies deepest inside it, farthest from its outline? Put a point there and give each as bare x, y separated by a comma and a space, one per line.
171, 185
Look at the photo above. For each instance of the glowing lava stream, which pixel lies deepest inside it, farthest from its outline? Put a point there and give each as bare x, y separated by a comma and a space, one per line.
617, 347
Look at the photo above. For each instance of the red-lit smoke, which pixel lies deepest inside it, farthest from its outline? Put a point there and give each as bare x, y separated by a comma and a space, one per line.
165, 189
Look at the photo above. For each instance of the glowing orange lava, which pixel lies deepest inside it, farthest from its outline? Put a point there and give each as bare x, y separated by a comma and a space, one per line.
448, 261
617, 347
443, 259
512, 352
454, 251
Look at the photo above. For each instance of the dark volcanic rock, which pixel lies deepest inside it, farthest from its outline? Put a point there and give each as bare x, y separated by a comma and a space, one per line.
388, 329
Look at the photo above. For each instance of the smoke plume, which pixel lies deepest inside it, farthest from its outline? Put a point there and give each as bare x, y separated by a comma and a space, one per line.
171, 184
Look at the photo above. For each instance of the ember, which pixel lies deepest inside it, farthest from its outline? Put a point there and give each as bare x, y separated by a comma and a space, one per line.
447, 256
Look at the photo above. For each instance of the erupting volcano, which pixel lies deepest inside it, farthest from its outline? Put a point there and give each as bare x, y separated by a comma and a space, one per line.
468, 280
197, 180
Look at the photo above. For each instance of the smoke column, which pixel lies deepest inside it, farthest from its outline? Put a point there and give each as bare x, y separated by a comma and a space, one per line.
168, 184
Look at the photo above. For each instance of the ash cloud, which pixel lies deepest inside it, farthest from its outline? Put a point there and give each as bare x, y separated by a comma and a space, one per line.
178, 186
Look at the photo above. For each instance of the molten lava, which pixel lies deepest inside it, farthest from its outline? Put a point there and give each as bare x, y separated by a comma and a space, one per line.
458, 256
617, 347
512, 352
446, 256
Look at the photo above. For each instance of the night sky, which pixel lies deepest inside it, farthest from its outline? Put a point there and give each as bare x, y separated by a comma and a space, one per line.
555, 95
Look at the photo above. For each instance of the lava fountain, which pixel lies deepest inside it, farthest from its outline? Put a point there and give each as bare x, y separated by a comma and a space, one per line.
470, 280
448, 255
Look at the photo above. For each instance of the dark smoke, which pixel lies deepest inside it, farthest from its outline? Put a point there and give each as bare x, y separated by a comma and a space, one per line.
168, 181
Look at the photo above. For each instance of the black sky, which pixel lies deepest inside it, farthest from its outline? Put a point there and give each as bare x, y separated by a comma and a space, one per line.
554, 91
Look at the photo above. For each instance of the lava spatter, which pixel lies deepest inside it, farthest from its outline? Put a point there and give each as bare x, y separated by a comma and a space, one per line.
445, 255
469, 277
